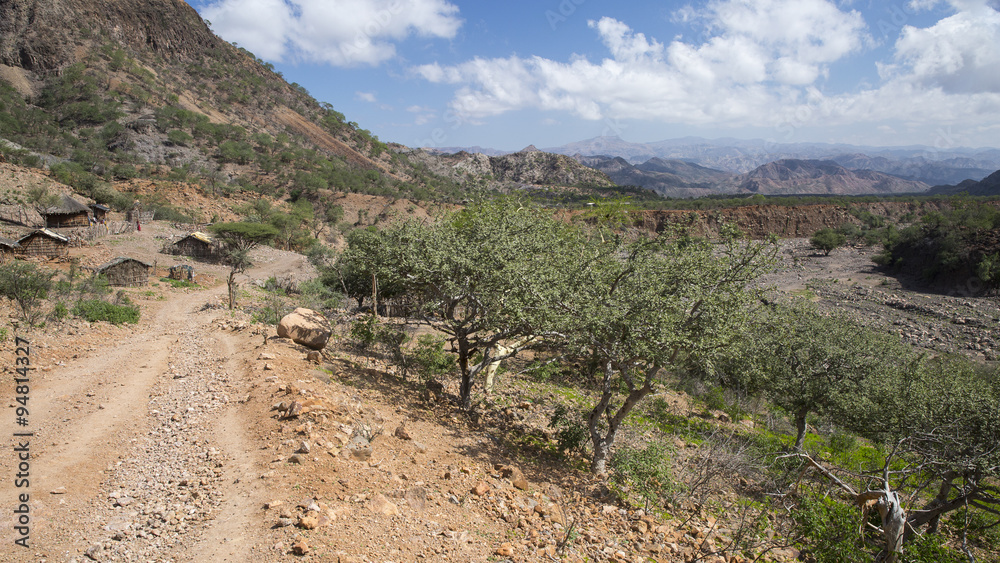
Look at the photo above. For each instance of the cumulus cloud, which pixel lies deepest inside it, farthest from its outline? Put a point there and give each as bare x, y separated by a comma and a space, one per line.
337, 32
757, 63
958, 54
752, 56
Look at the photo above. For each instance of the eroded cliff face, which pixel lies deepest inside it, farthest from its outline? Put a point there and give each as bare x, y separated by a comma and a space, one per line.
760, 221
45, 35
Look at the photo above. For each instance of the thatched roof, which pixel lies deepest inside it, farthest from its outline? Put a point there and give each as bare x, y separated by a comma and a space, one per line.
198, 235
119, 260
68, 206
98, 206
7, 243
45, 232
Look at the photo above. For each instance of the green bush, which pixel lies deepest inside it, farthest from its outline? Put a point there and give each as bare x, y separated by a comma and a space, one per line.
179, 283
178, 138
94, 310
25, 284
60, 311
829, 531
429, 359
643, 473
827, 240
571, 429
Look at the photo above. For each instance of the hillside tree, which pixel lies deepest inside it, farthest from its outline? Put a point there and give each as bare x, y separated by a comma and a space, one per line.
237, 240
642, 309
481, 276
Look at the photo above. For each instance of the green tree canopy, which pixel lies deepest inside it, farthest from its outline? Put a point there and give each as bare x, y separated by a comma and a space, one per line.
639, 309
827, 240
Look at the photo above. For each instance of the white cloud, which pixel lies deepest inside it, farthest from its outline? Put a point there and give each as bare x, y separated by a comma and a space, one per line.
337, 32
422, 114
757, 63
752, 55
365, 97
958, 54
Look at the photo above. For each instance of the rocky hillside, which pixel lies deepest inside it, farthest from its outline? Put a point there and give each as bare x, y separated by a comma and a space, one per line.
45, 35
526, 167
790, 176
920, 169
989, 186
115, 90
532, 166
669, 178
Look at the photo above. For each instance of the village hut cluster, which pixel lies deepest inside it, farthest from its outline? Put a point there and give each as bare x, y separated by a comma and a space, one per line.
122, 271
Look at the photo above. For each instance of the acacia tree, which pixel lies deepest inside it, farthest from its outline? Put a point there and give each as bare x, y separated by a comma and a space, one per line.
25, 284
480, 276
237, 240
640, 309
939, 421
808, 362
827, 240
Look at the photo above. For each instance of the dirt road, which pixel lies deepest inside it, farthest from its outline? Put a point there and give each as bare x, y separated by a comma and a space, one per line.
138, 451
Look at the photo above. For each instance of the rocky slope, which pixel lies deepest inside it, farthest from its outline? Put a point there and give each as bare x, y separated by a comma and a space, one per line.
526, 167
45, 35
669, 178
920, 169
790, 176
989, 186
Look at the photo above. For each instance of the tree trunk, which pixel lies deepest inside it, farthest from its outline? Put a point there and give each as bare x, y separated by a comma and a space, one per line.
232, 289
599, 461
800, 426
465, 390
942, 497
893, 525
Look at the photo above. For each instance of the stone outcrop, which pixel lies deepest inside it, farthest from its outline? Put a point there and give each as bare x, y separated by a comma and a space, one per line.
42, 35
306, 327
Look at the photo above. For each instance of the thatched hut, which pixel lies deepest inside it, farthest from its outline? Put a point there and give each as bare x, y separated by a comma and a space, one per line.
8, 248
125, 271
100, 212
43, 242
69, 213
196, 244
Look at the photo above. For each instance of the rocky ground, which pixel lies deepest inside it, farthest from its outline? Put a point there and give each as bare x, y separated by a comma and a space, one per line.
198, 435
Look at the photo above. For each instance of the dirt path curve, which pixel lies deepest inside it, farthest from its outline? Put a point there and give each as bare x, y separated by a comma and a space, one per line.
140, 450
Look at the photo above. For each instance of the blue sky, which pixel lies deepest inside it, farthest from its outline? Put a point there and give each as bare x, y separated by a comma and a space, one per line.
509, 74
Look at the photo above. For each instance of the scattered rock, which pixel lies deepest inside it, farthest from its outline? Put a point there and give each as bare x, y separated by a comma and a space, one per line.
300, 547
382, 505
480, 489
306, 327
401, 432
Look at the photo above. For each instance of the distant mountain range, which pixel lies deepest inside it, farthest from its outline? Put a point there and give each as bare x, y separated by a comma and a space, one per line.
695, 166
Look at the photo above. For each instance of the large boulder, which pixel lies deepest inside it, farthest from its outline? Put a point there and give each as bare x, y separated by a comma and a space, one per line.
306, 327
